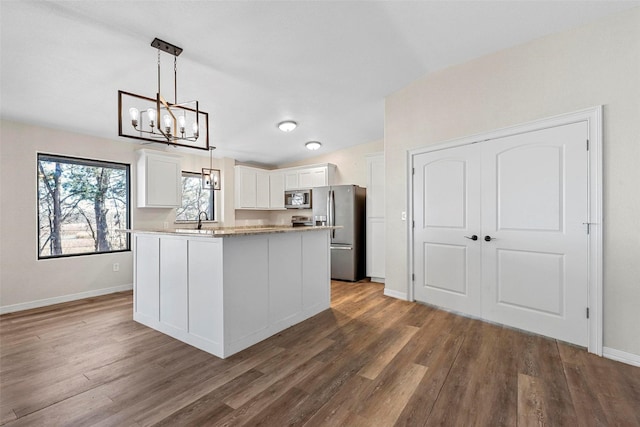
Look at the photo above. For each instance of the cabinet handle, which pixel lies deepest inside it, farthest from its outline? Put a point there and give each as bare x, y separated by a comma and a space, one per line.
488, 238
474, 237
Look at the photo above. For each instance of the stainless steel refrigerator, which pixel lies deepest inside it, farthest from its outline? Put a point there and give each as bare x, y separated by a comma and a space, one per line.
343, 206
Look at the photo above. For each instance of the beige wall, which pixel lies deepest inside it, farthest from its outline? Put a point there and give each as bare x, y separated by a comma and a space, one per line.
24, 278
598, 64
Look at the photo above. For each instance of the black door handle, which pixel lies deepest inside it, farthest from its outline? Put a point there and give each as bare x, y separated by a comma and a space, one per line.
487, 238
474, 237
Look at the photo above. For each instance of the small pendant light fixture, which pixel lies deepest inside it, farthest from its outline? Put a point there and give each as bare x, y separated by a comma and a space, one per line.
210, 176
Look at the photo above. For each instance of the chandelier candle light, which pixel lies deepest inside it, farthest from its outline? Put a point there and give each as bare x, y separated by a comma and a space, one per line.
182, 124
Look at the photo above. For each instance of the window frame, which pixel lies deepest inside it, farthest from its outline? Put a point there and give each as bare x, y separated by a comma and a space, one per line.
83, 162
212, 200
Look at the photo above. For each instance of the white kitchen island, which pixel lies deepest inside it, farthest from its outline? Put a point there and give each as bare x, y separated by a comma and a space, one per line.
225, 290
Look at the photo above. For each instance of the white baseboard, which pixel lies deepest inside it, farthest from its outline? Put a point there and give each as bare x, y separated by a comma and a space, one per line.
377, 279
621, 356
64, 298
395, 294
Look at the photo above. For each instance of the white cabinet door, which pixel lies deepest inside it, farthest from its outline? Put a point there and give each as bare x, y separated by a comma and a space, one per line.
247, 188
291, 180
315, 177
276, 190
159, 180
262, 190
446, 210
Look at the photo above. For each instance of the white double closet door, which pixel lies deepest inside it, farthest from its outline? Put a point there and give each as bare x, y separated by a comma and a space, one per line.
499, 230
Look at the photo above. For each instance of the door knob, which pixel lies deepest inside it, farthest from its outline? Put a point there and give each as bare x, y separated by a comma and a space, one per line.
487, 238
474, 237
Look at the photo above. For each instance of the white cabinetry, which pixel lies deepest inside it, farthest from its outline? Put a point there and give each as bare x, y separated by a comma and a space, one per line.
276, 190
258, 189
375, 218
159, 179
264, 189
200, 291
309, 176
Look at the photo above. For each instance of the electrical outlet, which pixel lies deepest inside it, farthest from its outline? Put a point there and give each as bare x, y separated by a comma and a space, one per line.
116, 266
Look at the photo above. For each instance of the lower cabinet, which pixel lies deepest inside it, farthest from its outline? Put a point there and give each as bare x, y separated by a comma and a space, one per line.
223, 295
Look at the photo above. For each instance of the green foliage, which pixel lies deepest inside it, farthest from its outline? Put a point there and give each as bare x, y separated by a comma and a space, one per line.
80, 206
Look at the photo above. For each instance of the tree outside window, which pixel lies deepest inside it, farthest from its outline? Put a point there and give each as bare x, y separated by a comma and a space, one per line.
81, 203
195, 199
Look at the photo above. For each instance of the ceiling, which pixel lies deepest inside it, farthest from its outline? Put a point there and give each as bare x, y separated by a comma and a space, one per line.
326, 64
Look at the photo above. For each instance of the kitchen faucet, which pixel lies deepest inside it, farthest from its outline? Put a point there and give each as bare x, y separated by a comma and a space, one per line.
206, 218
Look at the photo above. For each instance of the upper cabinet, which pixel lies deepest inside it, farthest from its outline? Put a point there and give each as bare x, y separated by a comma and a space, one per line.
159, 179
276, 190
309, 177
258, 188
263, 189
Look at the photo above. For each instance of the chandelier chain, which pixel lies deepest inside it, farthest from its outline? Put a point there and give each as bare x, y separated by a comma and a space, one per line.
158, 70
175, 79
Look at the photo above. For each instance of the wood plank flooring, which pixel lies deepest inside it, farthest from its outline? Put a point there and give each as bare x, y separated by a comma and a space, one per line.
368, 361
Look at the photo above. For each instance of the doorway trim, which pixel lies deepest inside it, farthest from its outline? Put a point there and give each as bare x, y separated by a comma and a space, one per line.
593, 221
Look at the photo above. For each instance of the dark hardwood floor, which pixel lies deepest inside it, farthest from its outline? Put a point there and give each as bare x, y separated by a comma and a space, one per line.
368, 361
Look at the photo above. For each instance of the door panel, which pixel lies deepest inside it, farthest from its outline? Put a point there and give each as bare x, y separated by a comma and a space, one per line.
534, 205
445, 194
528, 199
532, 273
447, 208
445, 267
540, 289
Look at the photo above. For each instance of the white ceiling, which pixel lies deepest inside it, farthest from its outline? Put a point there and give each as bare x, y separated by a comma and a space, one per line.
326, 64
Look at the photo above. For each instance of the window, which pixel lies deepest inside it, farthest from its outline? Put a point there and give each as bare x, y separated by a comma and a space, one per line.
81, 203
195, 199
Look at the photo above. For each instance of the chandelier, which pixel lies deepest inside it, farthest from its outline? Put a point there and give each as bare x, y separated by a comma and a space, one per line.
158, 120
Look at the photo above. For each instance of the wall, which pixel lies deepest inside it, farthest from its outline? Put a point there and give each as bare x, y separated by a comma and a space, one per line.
26, 281
587, 66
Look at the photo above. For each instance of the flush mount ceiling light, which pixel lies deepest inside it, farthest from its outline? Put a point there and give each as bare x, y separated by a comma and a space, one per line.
287, 125
313, 145
157, 120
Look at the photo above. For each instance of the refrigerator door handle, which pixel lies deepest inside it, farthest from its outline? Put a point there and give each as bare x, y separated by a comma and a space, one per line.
333, 213
329, 207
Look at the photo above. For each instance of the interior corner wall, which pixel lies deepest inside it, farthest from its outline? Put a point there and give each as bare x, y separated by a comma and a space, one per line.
595, 64
26, 281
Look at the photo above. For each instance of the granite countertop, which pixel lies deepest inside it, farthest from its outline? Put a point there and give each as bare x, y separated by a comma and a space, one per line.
229, 231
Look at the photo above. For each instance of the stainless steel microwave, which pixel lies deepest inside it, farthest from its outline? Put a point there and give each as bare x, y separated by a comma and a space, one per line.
297, 199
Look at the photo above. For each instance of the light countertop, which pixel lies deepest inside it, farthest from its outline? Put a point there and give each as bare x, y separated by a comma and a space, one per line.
229, 231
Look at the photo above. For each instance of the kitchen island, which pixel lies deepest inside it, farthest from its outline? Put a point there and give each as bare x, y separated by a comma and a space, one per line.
225, 290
